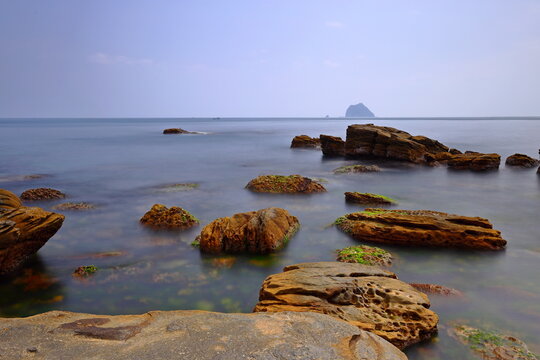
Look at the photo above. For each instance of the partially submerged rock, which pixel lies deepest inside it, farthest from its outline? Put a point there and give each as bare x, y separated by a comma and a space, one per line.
434, 289
364, 296
421, 228
368, 198
177, 187
492, 345
70, 206
42, 194
332, 145
23, 230
84, 271
256, 232
197, 335
522, 160
177, 131
162, 217
475, 161
284, 184
304, 141
356, 169
363, 254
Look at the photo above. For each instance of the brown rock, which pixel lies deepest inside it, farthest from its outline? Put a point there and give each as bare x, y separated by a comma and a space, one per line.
434, 289
332, 145
475, 161
421, 228
356, 169
177, 131
42, 194
187, 335
70, 206
367, 198
522, 160
364, 296
23, 231
284, 184
454, 152
257, 232
304, 141
161, 217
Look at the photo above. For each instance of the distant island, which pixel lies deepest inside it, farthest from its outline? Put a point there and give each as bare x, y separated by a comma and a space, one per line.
358, 110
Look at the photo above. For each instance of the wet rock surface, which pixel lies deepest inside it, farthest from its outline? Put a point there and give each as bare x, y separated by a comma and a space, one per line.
42, 194
304, 141
364, 296
173, 218
190, 335
522, 160
23, 231
256, 232
434, 289
351, 169
71, 206
474, 161
332, 145
284, 184
368, 198
363, 254
421, 228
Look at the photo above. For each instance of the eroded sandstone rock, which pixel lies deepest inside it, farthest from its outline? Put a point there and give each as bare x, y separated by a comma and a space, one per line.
364, 296
257, 232
162, 217
421, 228
332, 145
190, 335
284, 184
42, 194
434, 289
474, 161
304, 141
23, 230
522, 160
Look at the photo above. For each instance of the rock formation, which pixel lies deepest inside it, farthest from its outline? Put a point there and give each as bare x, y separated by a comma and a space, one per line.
177, 131
474, 161
365, 296
367, 198
434, 289
23, 231
42, 194
186, 335
421, 228
256, 232
304, 141
358, 110
159, 216
332, 145
284, 184
356, 169
522, 160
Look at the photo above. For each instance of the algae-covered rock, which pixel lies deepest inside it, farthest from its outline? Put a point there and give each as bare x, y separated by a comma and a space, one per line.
363, 254
368, 198
161, 217
356, 169
285, 184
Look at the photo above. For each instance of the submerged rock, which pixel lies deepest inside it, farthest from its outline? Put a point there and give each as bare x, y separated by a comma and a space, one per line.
434, 289
368, 198
474, 161
356, 169
421, 228
332, 145
363, 254
69, 206
304, 141
197, 335
522, 160
177, 131
177, 187
42, 194
160, 216
284, 184
364, 296
84, 271
23, 231
256, 232
492, 345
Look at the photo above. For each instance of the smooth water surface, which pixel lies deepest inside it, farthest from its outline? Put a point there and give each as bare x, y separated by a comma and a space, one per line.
122, 164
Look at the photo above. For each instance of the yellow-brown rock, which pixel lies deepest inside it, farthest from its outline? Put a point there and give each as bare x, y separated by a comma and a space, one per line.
255, 232
162, 217
304, 141
474, 161
23, 231
365, 296
284, 184
421, 228
522, 160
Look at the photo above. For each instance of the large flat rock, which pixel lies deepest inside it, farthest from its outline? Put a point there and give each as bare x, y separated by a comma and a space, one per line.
365, 296
193, 335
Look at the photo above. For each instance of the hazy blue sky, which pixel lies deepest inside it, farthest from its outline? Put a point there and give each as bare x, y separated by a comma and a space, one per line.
269, 58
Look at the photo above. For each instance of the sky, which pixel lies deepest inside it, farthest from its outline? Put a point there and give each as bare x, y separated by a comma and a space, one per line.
301, 58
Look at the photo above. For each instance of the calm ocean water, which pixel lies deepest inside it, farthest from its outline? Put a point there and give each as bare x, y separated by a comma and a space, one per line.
120, 164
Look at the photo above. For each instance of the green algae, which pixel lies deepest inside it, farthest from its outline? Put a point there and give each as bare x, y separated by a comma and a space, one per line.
363, 254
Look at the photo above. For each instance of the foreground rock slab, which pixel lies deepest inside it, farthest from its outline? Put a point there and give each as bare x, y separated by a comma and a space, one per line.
365, 296
421, 228
196, 335
285, 184
304, 141
256, 232
23, 231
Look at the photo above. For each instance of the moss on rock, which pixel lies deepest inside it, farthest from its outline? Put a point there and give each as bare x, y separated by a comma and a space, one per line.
363, 254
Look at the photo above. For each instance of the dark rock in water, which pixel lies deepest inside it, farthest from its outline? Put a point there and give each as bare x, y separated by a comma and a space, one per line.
367, 198
42, 194
23, 231
358, 110
162, 217
434, 289
84, 271
332, 145
522, 160
363, 254
421, 228
284, 184
193, 335
177, 131
256, 232
475, 161
365, 296
69, 206
356, 169
304, 141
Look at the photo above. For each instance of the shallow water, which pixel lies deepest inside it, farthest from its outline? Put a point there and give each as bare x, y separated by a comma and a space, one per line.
120, 165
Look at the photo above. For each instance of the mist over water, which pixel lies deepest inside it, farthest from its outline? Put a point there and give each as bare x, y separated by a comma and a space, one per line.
122, 164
